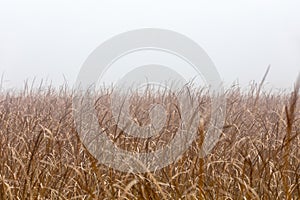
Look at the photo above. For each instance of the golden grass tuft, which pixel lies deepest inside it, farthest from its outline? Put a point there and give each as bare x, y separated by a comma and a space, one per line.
257, 156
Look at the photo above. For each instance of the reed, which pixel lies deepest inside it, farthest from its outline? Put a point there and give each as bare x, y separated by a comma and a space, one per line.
257, 156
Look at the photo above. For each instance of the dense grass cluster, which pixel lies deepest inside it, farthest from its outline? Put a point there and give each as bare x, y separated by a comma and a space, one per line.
257, 156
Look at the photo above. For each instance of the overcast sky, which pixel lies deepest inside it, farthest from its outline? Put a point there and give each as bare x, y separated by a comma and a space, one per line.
52, 39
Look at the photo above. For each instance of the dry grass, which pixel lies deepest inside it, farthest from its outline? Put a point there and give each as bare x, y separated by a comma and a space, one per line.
257, 157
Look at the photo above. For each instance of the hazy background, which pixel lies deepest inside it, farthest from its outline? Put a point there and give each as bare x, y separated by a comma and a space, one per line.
51, 39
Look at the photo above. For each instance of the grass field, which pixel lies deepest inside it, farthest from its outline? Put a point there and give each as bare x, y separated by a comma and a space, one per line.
257, 156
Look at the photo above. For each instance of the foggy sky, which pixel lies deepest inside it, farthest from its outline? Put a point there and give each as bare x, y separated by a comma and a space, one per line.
51, 39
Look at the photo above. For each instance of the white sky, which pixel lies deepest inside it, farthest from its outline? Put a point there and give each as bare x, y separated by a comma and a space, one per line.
49, 39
